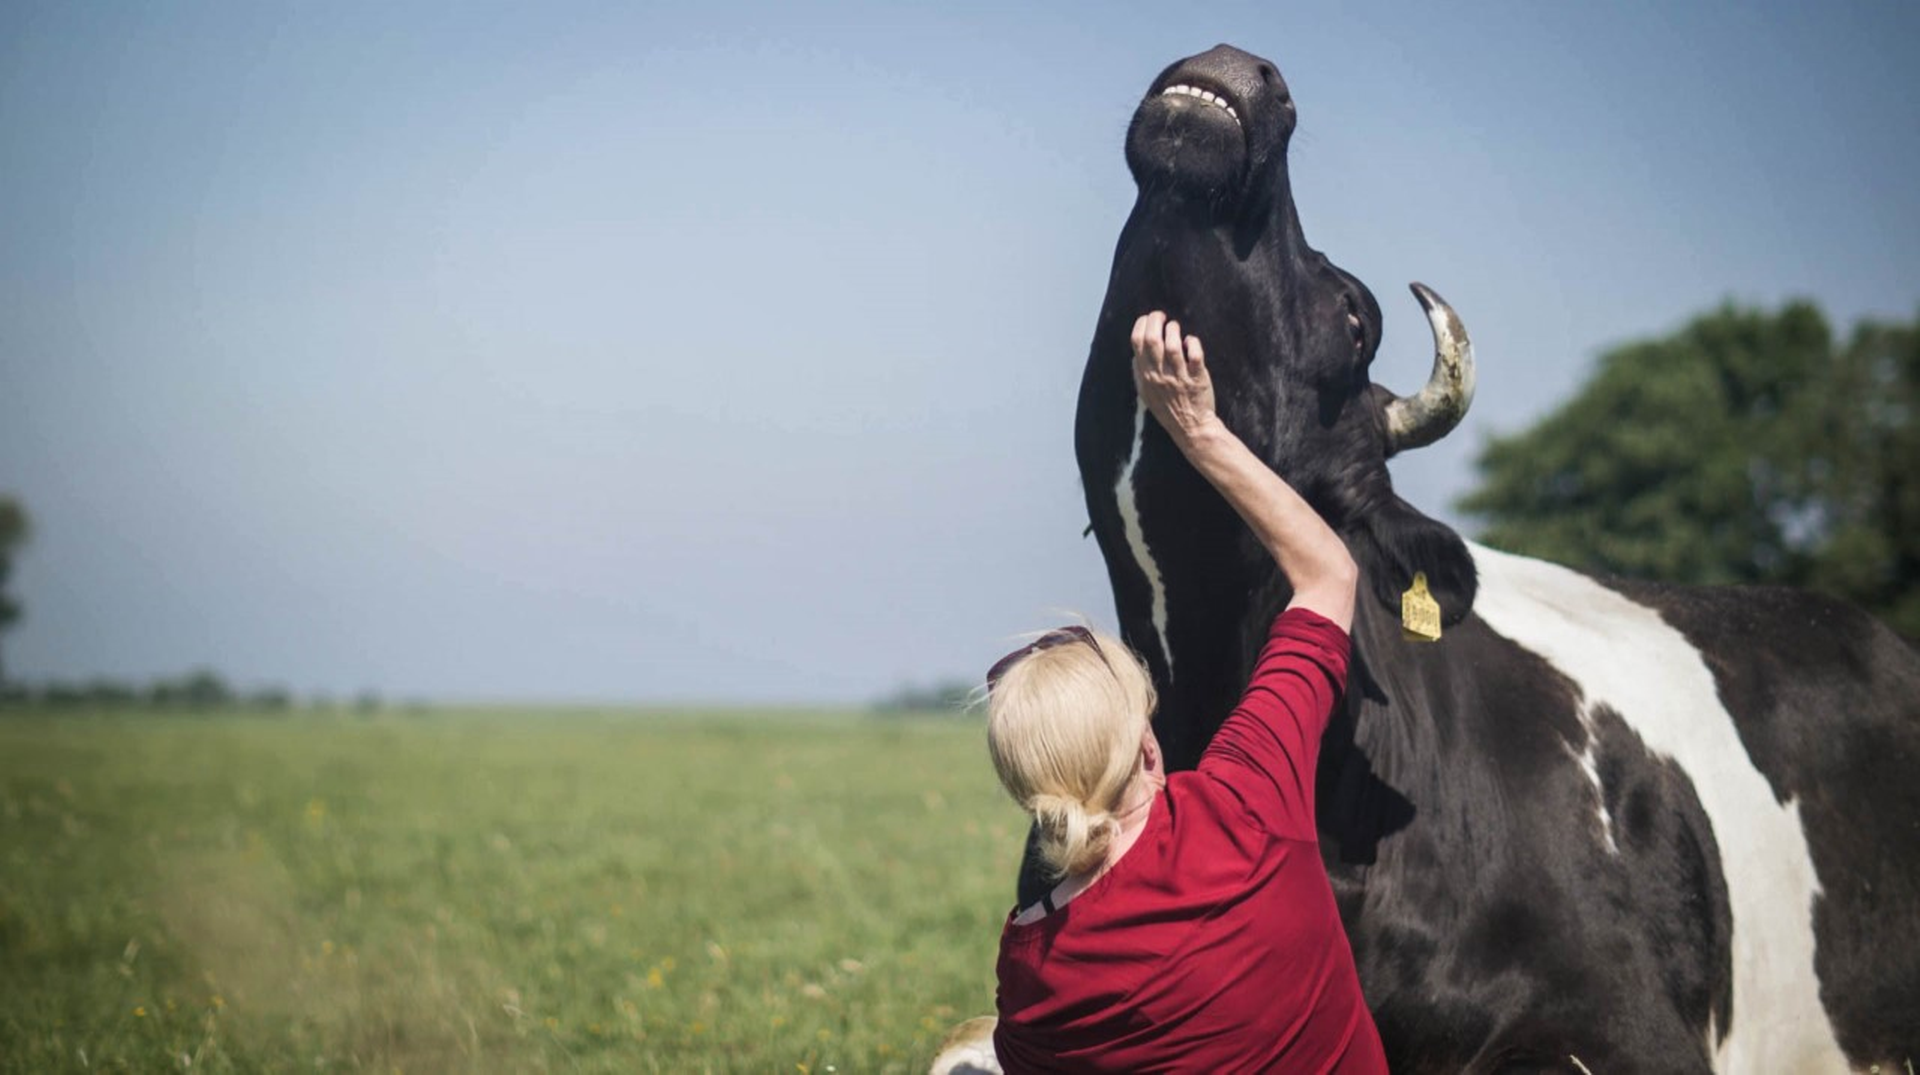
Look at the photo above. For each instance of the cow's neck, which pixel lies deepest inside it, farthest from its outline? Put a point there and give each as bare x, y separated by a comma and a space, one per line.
1368, 751
1182, 247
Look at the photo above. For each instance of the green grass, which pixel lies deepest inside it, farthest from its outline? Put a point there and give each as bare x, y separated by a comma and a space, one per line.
495, 891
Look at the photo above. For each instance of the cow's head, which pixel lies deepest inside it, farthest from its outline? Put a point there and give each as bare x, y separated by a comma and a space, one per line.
1216, 241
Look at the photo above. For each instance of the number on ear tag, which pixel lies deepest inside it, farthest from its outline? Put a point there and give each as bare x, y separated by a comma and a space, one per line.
1419, 612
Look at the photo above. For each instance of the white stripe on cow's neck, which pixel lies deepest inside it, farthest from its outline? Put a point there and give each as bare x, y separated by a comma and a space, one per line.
1625, 656
1137, 538
1590, 765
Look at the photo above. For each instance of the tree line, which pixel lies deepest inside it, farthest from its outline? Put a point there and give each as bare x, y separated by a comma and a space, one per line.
199, 690
943, 696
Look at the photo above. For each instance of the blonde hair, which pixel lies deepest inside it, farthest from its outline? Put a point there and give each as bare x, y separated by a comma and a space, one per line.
1064, 726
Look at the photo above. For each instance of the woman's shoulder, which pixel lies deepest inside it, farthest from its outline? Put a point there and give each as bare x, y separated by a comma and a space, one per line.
1208, 817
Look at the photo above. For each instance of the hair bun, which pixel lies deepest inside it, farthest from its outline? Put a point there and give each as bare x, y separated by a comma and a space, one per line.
1074, 838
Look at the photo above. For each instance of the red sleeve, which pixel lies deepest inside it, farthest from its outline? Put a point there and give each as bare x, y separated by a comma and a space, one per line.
1267, 749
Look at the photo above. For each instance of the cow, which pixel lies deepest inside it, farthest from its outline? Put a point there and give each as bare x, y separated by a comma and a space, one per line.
1597, 825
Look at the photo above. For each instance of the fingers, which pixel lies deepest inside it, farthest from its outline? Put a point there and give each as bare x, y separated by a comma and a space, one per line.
1162, 350
1196, 358
1149, 344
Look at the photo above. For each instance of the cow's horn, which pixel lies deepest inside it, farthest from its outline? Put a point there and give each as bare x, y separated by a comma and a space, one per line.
1418, 420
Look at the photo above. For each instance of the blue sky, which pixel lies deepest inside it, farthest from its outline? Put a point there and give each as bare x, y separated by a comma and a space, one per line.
727, 352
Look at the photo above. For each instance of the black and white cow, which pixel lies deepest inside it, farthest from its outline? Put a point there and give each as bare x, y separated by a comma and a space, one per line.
1599, 825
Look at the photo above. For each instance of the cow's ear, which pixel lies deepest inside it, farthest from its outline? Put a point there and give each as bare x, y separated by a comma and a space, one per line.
1394, 540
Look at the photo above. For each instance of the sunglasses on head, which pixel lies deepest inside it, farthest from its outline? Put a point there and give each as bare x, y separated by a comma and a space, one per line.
1059, 636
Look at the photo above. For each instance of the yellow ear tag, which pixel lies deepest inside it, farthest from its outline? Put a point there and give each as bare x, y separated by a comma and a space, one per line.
1419, 612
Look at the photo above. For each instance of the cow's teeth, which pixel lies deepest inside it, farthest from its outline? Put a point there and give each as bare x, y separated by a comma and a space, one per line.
1217, 100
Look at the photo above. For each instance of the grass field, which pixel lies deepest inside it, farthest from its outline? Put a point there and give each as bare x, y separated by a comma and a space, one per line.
495, 891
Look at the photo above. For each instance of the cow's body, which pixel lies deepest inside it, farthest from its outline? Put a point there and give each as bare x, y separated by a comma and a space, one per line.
1648, 827
1606, 827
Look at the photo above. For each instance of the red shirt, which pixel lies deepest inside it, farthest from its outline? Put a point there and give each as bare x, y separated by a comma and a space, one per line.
1214, 943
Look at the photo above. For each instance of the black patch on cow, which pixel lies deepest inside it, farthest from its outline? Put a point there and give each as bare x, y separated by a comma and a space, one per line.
1493, 927
1667, 843
1827, 704
1357, 808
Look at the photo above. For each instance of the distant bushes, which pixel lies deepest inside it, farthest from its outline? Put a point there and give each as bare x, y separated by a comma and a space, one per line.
199, 690
950, 697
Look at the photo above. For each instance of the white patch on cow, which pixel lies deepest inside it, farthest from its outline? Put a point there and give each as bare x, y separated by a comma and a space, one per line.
1590, 765
1623, 655
1137, 538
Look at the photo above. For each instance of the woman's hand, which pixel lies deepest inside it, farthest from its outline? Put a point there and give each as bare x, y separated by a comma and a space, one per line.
1170, 373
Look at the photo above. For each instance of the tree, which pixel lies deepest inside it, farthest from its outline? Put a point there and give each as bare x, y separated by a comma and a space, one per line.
1748, 447
15, 529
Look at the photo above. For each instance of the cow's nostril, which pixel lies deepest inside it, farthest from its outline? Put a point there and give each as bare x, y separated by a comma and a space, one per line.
1267, 74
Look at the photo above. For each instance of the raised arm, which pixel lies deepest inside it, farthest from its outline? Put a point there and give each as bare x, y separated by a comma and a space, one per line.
1170, 372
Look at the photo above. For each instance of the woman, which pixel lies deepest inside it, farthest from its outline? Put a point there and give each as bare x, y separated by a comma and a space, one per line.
1193, 927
